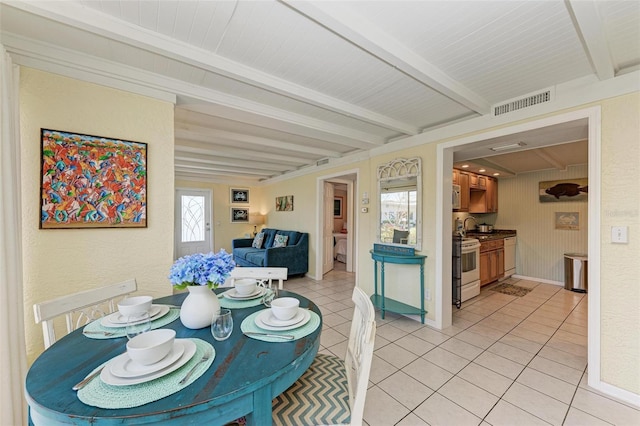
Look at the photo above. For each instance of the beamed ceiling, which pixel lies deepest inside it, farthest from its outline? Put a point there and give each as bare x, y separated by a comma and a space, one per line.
264, 88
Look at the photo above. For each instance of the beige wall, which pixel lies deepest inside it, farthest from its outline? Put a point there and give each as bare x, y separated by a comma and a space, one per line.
64, 261
223, 230
620, 263
620, 201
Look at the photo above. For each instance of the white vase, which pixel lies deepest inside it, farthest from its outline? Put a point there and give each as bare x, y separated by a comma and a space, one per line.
198, 307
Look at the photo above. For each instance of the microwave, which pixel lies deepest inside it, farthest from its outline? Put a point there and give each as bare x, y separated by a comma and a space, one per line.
455, 197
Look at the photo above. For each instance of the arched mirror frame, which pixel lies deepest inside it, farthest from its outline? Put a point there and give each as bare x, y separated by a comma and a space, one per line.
401, 168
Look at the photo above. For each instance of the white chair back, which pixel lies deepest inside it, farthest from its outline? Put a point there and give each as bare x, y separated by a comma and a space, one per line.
360, 353
266, 275
85, 306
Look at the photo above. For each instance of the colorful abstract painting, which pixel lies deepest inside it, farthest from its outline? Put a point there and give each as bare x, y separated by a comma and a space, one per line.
92, 182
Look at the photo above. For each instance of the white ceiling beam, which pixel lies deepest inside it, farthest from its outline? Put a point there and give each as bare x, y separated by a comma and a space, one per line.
216, 177
52, 58
222, 169
285, 121
360, 32
216, 160
202, 134
207, 148
88, 19
588, 25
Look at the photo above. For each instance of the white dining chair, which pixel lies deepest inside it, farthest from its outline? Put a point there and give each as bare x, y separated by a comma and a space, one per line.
266, 275
333, 391
80, 308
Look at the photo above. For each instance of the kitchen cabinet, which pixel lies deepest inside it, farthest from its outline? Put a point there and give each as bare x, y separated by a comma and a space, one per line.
491, 197
478, 193
491, 261
462, 178
477, 181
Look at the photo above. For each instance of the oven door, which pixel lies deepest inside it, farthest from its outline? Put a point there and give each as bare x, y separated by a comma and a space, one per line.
470, 262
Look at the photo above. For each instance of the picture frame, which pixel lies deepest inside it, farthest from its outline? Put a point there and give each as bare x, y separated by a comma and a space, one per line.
284, 203
89, 181
239, 215
239, 195
567, 221
553, 191
338, 203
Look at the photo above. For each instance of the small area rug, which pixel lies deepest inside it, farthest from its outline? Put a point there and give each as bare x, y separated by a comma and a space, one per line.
510, 289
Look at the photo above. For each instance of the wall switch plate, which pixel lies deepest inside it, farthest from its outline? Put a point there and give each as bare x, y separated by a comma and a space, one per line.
427, 294
619, 234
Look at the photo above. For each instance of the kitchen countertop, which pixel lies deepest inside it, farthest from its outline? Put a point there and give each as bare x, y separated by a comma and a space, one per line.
495, 235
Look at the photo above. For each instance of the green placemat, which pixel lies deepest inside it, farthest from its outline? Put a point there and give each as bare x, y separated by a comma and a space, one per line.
228, 303
99, 394
249, 324
95, 330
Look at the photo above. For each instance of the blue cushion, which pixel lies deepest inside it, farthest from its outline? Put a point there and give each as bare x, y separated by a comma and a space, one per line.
243, 252
269, 235
255, 257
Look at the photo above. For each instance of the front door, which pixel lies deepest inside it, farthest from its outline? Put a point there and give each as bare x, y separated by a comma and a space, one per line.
193, 222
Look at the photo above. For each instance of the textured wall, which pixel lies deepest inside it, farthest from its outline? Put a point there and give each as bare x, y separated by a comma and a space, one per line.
620, 266
63, 261
541, 247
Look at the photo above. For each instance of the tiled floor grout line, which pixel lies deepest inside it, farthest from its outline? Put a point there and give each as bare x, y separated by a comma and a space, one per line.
545, 313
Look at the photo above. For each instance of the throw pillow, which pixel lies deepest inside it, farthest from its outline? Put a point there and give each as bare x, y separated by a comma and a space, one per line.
257, 240
280, 240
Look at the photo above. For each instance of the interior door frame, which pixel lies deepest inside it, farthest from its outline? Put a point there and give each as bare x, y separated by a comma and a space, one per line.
444, 164
352, 229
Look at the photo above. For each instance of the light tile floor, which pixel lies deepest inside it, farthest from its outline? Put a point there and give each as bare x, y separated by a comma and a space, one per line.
505, 361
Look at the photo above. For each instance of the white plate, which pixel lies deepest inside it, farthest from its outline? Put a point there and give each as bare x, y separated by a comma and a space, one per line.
233, 294
157, 311
267, 321
189, 350
124, 366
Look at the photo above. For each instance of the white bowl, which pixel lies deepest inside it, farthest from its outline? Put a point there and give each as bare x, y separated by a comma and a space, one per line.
285, 308
150, 347
134, 306
245, 286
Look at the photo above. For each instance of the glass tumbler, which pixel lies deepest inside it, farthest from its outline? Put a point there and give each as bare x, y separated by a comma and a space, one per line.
138, 324
222, 324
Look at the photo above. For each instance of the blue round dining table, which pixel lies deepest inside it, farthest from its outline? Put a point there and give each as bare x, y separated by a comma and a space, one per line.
245, 376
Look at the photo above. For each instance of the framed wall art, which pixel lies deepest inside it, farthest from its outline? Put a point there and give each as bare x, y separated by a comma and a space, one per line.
239, 215
338, 203
563, 190
568, 221
92, 181
284, 203
239, 195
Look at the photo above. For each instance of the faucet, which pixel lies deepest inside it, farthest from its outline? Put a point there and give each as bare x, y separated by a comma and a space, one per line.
464, 224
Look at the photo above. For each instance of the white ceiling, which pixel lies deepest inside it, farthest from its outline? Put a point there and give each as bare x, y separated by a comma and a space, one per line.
263, 88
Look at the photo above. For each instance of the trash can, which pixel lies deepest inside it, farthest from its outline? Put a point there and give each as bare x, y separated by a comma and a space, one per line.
575, 272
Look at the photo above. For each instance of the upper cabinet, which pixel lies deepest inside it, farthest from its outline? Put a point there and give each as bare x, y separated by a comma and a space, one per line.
478, 193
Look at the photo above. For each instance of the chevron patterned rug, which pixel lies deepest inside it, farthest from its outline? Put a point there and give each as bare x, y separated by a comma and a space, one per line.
511, 290
319, 397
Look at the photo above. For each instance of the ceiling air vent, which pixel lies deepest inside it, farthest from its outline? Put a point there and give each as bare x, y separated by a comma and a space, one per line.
521, 103
322, 162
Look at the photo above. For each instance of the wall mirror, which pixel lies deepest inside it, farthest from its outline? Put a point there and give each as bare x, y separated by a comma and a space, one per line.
400, 202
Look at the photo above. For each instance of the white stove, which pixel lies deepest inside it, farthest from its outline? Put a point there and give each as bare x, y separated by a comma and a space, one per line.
470, 262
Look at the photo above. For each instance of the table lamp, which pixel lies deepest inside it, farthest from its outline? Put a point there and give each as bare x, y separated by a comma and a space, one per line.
256, 219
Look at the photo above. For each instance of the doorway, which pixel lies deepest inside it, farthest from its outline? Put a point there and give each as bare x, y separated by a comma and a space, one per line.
336, 227
444, 221
193, 231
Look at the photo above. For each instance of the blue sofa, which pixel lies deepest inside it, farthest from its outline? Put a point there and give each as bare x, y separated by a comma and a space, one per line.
295, 256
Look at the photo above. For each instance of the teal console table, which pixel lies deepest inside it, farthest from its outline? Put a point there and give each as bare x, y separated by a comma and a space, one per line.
386, 304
